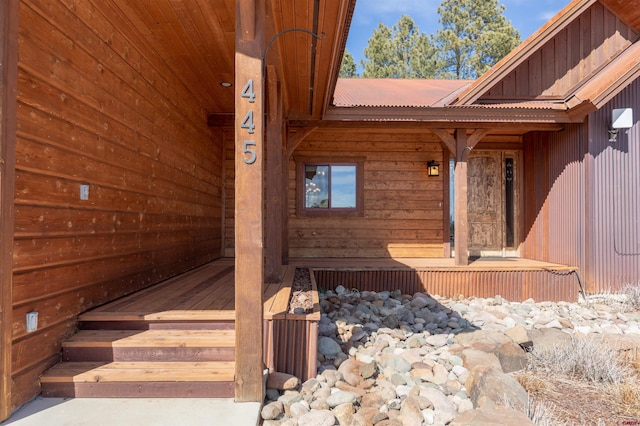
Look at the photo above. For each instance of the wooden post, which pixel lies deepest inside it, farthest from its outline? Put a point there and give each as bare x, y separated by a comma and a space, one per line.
275, 188
446, 204
8, 91
249, 239
460, 199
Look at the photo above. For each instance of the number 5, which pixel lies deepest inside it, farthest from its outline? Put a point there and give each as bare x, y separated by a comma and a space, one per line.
246, 148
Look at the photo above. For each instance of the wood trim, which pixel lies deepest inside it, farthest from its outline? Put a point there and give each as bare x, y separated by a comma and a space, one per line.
301, 211
8, 112
456, 116
275, 189
295, 139
460, 199
411, 125
448, 140
476, 137
446, 203
346, 9
249, 186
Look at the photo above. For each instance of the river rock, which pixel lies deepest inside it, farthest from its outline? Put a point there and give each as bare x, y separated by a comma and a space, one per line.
317, 418
282, 381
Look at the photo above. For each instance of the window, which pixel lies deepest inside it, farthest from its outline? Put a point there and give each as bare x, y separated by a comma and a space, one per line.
330, 187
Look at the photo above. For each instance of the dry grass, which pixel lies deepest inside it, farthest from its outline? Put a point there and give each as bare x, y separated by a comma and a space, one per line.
575, 402
632, 296
588, 381
585, 358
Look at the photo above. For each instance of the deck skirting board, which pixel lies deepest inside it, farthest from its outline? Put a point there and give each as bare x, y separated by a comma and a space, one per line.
514, 285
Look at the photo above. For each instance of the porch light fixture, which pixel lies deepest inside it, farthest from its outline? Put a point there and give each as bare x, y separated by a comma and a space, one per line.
433, 168
621, 118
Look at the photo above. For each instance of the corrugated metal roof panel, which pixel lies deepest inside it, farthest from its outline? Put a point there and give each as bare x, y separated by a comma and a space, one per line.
417, 93
391, 92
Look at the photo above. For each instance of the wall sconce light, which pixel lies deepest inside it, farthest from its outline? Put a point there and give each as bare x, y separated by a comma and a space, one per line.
621, 118
433, 168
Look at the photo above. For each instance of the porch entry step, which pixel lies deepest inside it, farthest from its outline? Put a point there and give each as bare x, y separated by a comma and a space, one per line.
140, 379
167, 320
150, 345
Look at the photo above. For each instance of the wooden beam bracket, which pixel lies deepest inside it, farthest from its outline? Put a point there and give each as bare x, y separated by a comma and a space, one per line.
296, 138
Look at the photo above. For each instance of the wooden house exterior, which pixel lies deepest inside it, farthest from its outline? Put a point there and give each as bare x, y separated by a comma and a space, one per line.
141, 140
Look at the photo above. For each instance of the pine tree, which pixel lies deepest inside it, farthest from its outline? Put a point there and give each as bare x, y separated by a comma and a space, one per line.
475, 35
379, 53
399, 52
348, 66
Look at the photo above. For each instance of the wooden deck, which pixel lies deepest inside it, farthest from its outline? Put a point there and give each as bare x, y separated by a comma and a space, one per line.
145, 343
207, 293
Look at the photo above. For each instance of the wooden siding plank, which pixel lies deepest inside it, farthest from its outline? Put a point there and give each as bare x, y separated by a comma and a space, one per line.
98, 105
8, 89
395, 161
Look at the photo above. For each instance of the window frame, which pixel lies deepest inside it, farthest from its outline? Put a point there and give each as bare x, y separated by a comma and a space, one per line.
303, 161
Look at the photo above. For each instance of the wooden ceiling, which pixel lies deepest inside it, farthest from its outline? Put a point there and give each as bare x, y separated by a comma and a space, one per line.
627, 10
197, 40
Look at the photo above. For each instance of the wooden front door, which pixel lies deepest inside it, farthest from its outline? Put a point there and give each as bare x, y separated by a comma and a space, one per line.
491, 198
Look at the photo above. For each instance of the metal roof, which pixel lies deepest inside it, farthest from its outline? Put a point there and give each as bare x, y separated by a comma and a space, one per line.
391, 92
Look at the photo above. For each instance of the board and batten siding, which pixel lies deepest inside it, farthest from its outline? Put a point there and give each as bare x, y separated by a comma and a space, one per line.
403, 206
576, 52
97, 106
613, 182
581, 197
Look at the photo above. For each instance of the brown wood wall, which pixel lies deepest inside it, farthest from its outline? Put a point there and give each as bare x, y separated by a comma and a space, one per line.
229, 191
403, 207
573, 55
97, 106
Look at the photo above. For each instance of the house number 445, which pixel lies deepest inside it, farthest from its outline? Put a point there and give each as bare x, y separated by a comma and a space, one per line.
248, 147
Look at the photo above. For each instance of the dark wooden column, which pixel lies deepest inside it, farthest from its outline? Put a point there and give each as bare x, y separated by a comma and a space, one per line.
8, 90
460, 199
274, 231
249, 238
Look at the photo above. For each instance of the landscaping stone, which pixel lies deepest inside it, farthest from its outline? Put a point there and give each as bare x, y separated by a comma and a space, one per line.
388, 359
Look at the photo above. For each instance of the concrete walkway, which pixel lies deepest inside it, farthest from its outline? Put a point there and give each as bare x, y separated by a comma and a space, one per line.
134, 412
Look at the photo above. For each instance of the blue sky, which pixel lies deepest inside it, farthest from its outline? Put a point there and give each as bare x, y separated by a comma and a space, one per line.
525, 15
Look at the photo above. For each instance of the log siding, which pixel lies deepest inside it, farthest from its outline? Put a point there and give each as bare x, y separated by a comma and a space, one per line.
403, 207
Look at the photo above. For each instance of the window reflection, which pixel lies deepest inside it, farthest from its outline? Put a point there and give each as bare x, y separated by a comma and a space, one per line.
330, 186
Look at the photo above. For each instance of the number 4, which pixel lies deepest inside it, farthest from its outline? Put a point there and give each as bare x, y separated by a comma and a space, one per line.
248, 92
247, 122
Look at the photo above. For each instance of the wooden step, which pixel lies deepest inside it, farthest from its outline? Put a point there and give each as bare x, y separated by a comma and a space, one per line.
150, 345
166, 320
140, 379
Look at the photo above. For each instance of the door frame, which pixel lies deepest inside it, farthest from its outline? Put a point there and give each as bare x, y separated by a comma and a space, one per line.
8, 124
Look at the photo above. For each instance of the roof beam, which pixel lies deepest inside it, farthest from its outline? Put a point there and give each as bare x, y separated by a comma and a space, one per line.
452, 116
424, 125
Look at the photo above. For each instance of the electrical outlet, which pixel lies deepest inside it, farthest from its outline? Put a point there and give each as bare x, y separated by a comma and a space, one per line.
84, 191
32, 321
